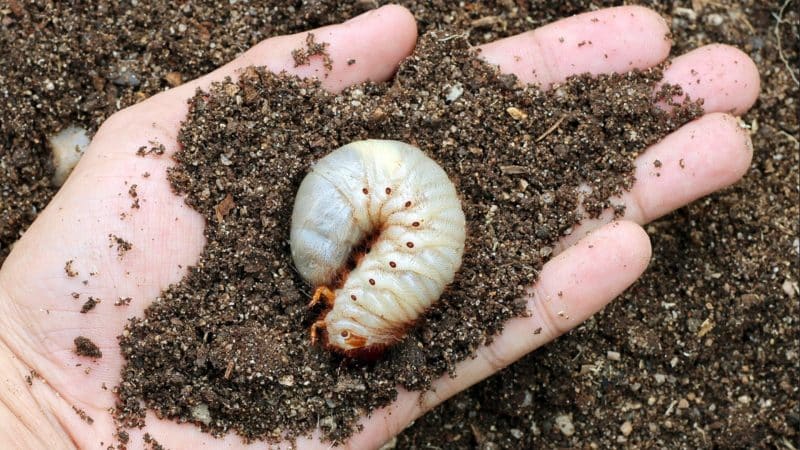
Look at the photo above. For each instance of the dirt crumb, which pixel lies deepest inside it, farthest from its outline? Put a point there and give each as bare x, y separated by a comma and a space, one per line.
132, 193
122, 245
89, 305
302, 56
224, 207
85, 347
82, 414
156, 149
70, 271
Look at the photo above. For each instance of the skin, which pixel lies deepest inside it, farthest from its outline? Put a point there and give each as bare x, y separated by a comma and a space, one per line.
38, 319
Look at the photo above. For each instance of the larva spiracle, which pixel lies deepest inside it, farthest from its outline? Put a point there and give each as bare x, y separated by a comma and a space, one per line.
398, 206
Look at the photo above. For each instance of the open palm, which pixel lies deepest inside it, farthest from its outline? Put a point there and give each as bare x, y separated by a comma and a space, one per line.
39, 318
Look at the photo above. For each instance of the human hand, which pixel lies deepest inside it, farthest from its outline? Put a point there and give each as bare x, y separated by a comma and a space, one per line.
37, 330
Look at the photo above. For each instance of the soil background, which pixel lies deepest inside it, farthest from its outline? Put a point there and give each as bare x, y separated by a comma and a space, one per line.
643, 373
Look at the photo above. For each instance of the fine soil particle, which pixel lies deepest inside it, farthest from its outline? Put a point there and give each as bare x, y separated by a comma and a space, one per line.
132, 193
69, 270
156, 149
122, 245
89, 305
302, 56
732, 257
82, 414
232, 339
151, 442
85, 347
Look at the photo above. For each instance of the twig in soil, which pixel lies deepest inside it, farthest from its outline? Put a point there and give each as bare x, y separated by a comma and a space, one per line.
791, 138
454, 36
552, 128
778, 21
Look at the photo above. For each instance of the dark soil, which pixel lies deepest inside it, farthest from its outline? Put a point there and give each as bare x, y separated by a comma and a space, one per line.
89, 305
85, 347
731, 258
243, 307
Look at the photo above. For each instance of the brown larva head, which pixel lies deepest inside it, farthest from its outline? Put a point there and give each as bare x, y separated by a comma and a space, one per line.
351, 339
345, 335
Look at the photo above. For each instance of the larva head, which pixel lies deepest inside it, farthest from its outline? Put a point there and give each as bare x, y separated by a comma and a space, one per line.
351, 339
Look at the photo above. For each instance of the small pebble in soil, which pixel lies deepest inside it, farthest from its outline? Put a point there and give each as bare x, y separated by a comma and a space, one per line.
565, 425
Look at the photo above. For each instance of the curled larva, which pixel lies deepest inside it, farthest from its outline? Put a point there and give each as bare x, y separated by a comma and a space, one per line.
378, 230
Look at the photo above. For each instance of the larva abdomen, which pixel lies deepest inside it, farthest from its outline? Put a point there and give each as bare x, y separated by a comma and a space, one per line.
402, 201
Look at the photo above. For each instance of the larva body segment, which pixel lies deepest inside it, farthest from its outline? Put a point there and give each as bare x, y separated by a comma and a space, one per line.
391, 199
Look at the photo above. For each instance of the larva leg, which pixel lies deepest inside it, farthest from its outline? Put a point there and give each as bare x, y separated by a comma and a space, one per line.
322, 292
314, 327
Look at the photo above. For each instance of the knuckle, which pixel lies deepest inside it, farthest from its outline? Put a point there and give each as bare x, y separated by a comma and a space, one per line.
495, 357
544, 316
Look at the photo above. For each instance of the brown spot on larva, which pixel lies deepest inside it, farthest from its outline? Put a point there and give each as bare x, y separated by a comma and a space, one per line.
365, 191
372, 281
410, 244
415, 224
353, 297
392, 264
388, 191
408, 203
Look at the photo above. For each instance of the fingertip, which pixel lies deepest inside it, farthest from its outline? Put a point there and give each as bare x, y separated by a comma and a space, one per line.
733, 145
716, 149
405, 26
396, 22
725, 78
403, 16
746, 77
625, 244
648, 19
635, 245
701, 157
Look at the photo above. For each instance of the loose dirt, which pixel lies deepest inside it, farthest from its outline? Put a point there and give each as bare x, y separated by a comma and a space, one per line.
730, 260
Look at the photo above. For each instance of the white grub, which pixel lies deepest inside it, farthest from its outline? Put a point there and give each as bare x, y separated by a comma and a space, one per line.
399, 200
67, 146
